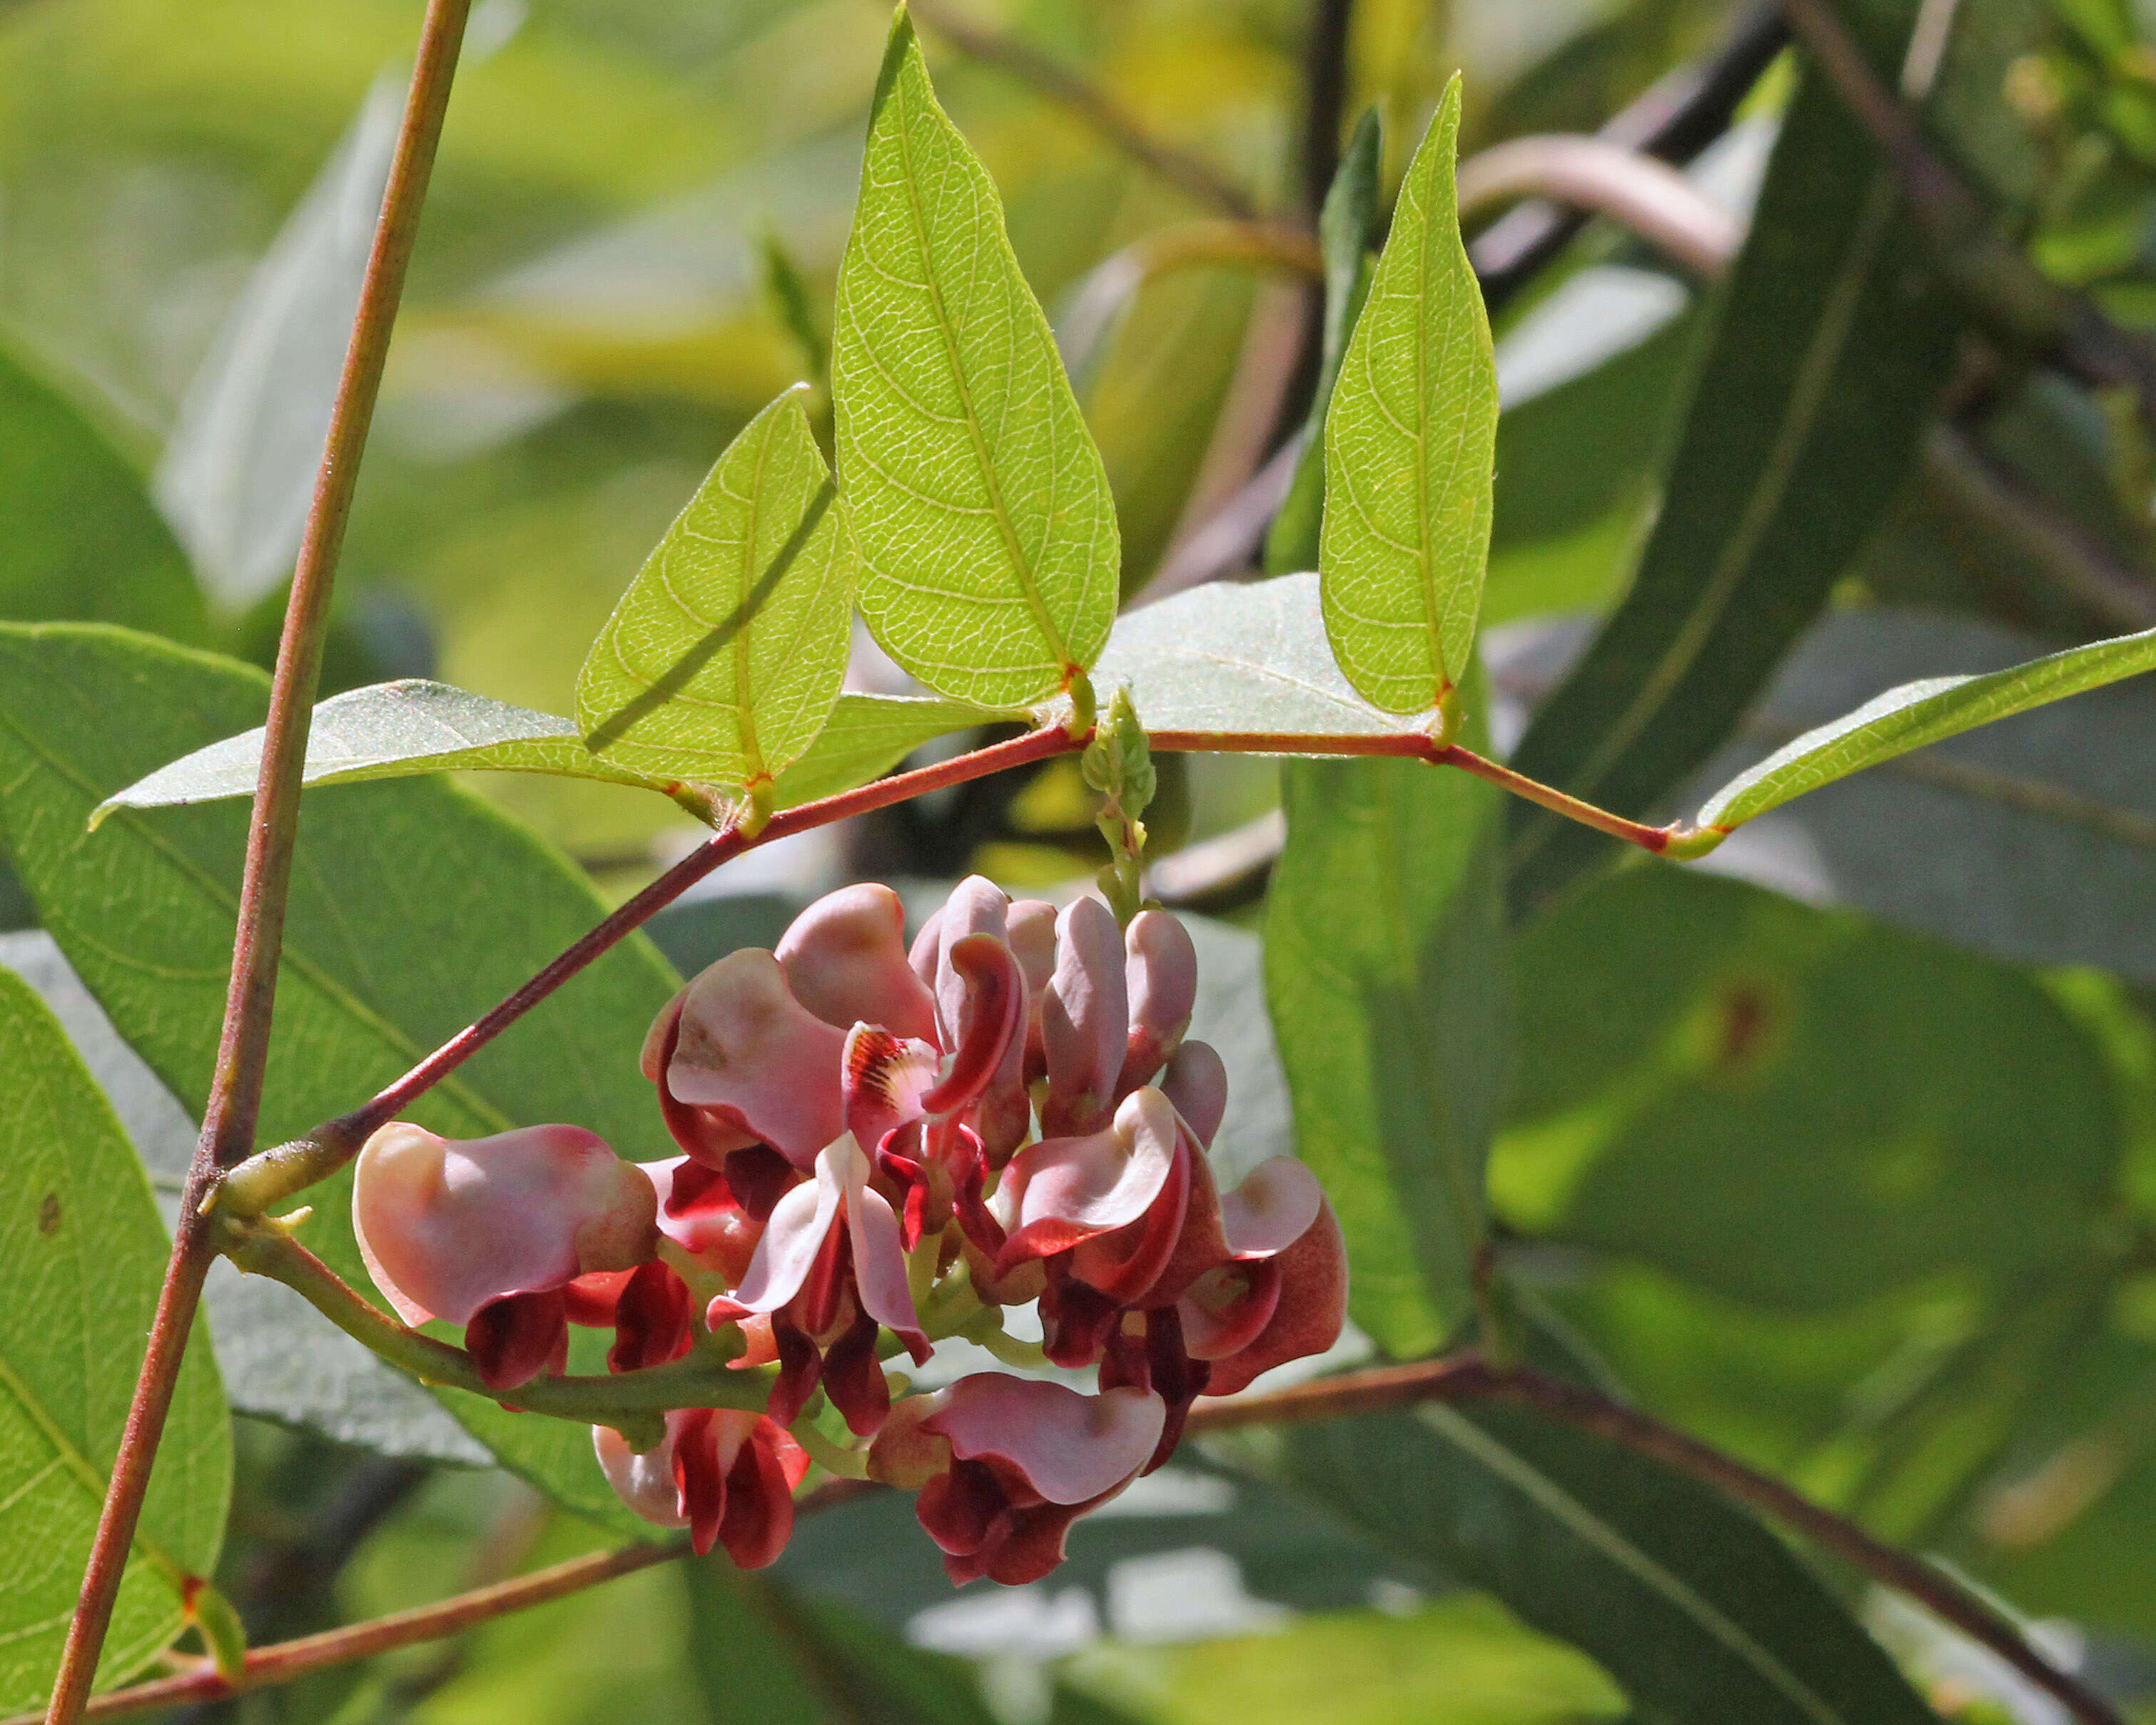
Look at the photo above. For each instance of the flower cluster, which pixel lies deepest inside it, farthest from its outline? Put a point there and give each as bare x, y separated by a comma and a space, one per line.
880, 1147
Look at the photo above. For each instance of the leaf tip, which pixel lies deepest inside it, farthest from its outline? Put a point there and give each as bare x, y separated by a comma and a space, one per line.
901, 40
103, 812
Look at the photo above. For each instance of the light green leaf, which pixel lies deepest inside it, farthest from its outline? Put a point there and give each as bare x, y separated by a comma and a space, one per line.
1919, 713
1701, 1614
82, 1255
1346, 228
387, 730
724, 658
1385, 971
867, 734
1410, 445
987, 530
414, 907
1239, 658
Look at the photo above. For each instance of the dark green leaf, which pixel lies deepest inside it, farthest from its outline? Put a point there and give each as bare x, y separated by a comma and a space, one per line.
1806, 415
1410, 440
987, 531
81, 540
1384, 968
1702, 1614
1347, 229
82, 1256
414, 907
1793, 1106
724, 658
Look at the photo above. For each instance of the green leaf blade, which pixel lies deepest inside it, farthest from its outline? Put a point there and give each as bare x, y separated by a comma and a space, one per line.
867, 734
387, 731
726, 655
1702, 1614
987, 533
1410, 446
1918, 714
1386, 977
82, 1256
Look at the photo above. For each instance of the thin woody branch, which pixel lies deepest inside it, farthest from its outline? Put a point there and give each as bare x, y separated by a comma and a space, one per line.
229, 1121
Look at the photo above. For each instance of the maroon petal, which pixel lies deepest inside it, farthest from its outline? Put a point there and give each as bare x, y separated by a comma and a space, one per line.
651, 1320
758, 1519
512, 1340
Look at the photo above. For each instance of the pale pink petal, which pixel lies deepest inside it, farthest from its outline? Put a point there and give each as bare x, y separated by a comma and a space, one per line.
1271, 1210
749, 1051
926, 948
446, 1226
644, 1482
886, 1078
1061, 1191
845, 958
878, 1259
1311, 1309
990, 1018
1084, 1019
651, 1061
1030, 926
975, 906
1068, 1447
792, 1237
1162, 968
1196, 1081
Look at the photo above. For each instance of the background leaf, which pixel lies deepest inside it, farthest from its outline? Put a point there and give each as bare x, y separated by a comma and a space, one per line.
987, 531
723, 659
413, 908
1702, 1614
81, 540
1805, 416
82, 1256
1410, 441
239, 472
1383, 931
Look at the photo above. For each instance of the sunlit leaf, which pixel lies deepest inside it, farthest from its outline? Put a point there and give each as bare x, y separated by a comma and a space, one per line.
1384, 969
1346, 228
413, 908
1231, 658
238, 471
987, 531
724, 658
1701, 1614
387, 730
1916, 714
82, 1255
1408, 446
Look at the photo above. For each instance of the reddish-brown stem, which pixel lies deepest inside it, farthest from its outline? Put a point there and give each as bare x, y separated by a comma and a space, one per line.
235, 1093
1466, 1380
284, 1661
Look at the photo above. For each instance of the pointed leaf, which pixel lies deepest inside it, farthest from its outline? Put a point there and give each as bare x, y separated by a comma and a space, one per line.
1244, 659
1409, 444
725, 656
987, 530
1821, 377
1386, 974
1346, 228
82, 1255
387, 730
1699, 1612
1919, 713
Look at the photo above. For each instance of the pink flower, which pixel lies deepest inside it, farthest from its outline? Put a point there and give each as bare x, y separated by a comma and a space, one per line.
1005, 1465
830, 1059
726, 1475
488, 1233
